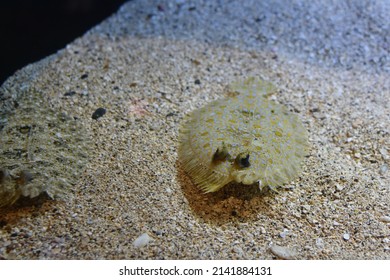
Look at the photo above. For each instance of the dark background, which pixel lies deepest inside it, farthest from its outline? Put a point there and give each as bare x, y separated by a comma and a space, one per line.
33, 29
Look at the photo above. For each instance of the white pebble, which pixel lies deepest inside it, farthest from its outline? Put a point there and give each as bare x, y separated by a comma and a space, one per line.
385, 219
357, 155
141, 240
284, 233
339, 187
320, 243
383, 169
384, 153
284, 253
346, 236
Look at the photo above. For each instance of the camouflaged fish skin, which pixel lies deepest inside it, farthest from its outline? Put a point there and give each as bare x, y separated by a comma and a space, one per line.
245, 138
42, 150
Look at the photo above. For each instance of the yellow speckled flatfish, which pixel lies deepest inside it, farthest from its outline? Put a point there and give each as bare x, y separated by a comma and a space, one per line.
244, 138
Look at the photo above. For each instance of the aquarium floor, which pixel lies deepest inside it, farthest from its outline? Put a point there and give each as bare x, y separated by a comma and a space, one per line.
148, 66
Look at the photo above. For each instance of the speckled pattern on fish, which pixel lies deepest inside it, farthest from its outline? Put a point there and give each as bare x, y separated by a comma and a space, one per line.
245, 138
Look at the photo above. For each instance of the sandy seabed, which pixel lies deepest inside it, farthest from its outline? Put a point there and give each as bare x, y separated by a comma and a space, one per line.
133, 184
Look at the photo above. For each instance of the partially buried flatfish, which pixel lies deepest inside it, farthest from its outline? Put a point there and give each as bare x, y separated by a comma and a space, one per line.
245, 138
42, 150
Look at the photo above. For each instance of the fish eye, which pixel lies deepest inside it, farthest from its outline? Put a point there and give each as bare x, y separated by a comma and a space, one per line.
221, 154
243, 161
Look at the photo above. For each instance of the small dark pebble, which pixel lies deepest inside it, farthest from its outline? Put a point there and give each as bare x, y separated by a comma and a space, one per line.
296, 110
64, 117
170, 114
314, 110
158, 232
98, 113
84, 76
197, 82
70, 93
160, 8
